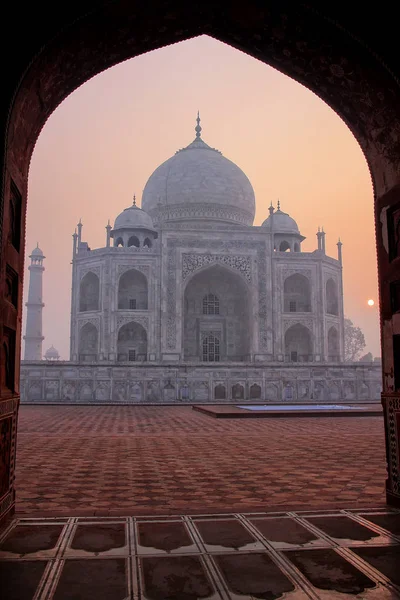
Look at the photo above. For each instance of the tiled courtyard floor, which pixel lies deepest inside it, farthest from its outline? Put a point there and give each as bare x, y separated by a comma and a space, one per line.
121, 460
242, 556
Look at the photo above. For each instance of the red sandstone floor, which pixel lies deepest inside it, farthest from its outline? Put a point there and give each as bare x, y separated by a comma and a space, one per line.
93, 460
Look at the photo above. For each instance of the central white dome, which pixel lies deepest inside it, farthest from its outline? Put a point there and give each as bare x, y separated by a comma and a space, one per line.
199, 184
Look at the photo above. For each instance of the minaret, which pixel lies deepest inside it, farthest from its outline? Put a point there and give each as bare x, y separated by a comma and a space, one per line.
339, 251
79, 226
108, 230
319, 238
323, 240
33, 333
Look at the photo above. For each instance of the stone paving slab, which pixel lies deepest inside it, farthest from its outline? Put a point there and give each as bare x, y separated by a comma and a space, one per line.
215, 556
118, 460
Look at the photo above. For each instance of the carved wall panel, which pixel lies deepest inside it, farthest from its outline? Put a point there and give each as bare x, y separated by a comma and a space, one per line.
85, 270
133, 318
193, 262
309, 323
145, 269
93, 321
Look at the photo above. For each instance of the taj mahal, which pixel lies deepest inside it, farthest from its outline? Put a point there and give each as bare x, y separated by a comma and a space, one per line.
188, 301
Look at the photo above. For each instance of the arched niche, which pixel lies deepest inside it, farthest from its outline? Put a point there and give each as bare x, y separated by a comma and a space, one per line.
88, 343
119, 242
132, 343
296, 294
284, 246
298, 344
133, 291
220, 392
255, 392
332, 300
237, 391
89, 292
217, 309
333, 344
133, 241
147, 243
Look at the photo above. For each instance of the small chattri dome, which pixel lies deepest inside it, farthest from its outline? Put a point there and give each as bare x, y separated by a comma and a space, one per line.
134, 217
52, 353
37, 251
281, 223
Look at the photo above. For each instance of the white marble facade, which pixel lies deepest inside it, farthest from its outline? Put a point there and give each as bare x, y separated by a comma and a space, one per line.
187, 277
187, 283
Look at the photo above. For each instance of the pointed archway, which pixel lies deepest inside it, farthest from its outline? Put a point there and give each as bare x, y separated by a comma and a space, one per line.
335, 55
217, 316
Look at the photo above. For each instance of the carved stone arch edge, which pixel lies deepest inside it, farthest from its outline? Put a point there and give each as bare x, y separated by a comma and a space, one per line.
94, 321
144, 269
139, 320
308, 323
193, 263
96, 270
285, 273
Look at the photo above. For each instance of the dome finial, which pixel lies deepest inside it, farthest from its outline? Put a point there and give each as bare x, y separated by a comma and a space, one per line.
134, 199
279, 205
198, 126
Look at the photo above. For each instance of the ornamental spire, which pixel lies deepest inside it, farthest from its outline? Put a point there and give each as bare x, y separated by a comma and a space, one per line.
279, 205
134, 199
198, 126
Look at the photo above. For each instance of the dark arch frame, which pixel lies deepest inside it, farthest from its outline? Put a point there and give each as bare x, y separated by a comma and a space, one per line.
335, 55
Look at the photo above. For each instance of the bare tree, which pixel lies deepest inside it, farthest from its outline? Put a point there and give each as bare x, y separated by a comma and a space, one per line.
354, 341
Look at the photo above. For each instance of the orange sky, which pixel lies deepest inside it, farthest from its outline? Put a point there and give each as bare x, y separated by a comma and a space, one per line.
103, 142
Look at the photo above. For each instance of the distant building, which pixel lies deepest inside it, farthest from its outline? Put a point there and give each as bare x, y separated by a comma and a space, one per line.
51, 354
189, 301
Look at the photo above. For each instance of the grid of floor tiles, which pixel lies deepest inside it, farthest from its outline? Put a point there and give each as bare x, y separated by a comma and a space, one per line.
298, 555
116, 460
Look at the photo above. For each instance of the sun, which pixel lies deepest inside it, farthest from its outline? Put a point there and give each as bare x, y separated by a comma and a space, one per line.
370, 302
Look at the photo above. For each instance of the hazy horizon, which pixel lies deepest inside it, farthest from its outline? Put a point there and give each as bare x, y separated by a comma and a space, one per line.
104, 141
